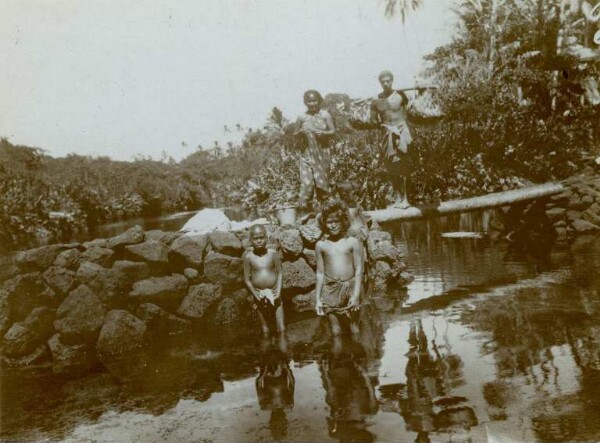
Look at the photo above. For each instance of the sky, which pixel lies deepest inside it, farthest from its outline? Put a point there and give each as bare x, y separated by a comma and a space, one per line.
123, 78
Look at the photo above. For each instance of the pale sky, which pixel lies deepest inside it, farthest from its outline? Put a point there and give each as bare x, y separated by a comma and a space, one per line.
127, 77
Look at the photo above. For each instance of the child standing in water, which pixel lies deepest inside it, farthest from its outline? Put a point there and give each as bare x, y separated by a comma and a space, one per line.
339, 268
263, 278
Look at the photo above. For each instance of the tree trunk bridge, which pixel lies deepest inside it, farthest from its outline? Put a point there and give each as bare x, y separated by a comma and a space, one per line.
493, 200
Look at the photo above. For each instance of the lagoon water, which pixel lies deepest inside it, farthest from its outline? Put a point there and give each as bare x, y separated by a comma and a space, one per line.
488, 344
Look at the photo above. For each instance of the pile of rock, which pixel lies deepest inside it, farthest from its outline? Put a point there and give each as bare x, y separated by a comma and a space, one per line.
77, 305
577, 209
560, 217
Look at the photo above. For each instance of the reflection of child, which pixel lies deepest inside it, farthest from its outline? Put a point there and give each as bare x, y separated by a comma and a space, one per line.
263, 278
339, 268
349, 391
275, 386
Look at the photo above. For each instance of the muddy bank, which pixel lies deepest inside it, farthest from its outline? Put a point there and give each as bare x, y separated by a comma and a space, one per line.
79, 306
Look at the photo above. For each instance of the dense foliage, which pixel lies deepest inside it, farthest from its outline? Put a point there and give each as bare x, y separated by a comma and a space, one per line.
42, 197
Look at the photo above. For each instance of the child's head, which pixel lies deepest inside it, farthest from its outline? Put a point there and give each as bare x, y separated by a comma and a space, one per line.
258, 236
313, 100
335, 218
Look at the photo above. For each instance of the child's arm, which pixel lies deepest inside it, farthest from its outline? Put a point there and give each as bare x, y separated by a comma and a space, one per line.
248, 274
277, 263
330, 125
358, 274
320, 276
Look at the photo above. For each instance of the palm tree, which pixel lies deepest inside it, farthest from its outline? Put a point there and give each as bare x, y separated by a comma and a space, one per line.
402, 7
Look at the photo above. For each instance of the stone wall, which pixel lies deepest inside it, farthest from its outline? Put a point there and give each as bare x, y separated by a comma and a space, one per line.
100, 302
560, 217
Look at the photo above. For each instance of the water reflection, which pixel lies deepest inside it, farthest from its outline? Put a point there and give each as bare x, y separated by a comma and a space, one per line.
425, 400
275, 385
349, 390
504, 346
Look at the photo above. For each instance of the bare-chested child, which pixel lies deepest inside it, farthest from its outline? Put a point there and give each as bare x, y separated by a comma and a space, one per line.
263, 278
339, 268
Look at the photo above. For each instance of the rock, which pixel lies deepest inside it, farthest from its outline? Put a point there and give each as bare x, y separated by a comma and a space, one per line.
226, 243
233, 313
40, 321
595, 209
591, 217
165, 237
290, 243
101, 242
379, 236
61, 280
380, 274
576, 204
24, 294
18, 341
162, 291
311, 233
132, 236
121, 341
573, 215
588, 200
311, 257
5, 314
70, 357
131, 270
151, 251
80, 316
109, 284
160, 323
87, 272
23, 337
561, 199
297, 276
560, 224
584, 226
561, 234
39, 355
585, 190
304, 302
556, 214
40, 258
223, 269
205, 221
383, 250
98, 255
68, 259
190, 249
199, 299
193, 275
8, 271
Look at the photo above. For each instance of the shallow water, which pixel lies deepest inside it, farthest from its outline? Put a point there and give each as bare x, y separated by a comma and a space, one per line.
491, 344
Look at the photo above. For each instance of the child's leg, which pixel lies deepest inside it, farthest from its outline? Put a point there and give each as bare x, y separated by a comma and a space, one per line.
263, 321
306, 185
279, 317
334, 323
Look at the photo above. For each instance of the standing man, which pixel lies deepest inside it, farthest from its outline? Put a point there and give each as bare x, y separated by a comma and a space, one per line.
389, 112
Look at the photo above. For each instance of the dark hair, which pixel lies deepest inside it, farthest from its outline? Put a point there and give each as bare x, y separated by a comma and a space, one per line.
332, 206
256, 226
314, 92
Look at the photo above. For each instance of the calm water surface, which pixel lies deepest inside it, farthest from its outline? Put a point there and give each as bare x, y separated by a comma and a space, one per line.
490, 344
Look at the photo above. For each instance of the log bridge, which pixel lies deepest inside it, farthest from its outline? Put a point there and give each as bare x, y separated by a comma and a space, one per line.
468, 204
